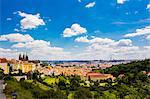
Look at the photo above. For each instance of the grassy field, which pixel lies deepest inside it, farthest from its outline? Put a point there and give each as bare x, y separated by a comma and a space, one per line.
70, 96
42, 86
21, 92
50, 80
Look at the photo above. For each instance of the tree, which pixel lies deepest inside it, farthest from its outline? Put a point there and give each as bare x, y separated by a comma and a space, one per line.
74, 84
62, 85
83, 93
20, 72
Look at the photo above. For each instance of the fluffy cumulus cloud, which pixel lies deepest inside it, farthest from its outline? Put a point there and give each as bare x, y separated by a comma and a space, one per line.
74, 30
104, 41
123, 42
105, 52
148, 37
9, 19
101, 41
104, 48
18, 45
38, 49
148, 7
16, 30
16, 37
83, 39
139, 32
32, 44
30, 21
3, 50
9, 53
121, 1
79, 0
90, 5
117, 52
147, 47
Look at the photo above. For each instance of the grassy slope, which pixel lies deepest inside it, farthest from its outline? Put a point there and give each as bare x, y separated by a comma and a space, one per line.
22, 93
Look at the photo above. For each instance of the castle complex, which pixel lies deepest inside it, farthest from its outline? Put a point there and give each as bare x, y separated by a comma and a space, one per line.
23, 57
14, 66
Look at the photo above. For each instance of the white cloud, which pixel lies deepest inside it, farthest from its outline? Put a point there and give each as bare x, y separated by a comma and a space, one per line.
33, 44
147, 47
75, 30
82, 39
106, 52
47, 51
117, 52
15, 12
123, 42
37, 49
90, 5
104, 41
148, 7
119, 23
148, 37
3, 50
9, 19
9, 53
18, 45
125, 49
108, 44
104, 48
16, 30
40, 48
139, 32
16, 37
121, 1
46, 29
101, 40
79, 0
30, 21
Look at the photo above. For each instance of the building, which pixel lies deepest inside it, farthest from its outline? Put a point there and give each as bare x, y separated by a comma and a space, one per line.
3, 60
4, 65
98, 76
14, 66
23, 57
24, 66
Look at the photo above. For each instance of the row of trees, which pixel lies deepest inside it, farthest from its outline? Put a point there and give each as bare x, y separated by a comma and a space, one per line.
133, 67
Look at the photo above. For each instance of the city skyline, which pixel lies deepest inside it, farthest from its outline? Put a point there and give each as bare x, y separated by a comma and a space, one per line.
75, 29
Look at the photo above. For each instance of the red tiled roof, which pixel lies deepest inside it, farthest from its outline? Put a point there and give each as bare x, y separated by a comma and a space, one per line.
98, 75
3, 60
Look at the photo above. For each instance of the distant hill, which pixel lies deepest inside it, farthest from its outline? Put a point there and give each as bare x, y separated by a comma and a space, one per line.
133, 67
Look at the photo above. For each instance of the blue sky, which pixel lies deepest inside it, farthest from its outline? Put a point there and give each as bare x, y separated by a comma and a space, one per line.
75, 29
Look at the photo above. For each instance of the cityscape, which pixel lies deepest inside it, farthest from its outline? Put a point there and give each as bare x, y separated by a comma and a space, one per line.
75, 49
68, 68
47, 74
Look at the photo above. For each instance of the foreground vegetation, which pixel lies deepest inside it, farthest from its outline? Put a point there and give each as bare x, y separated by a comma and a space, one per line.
132, 82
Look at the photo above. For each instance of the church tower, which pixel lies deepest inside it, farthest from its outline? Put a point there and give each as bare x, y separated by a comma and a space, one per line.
23, 57
20, 58
26, 57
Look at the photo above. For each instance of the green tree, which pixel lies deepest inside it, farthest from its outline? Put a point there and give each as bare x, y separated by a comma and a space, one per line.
83, 93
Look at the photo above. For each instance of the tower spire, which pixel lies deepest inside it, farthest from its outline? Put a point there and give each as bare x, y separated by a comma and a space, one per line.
26, 58
23, 57
20, 56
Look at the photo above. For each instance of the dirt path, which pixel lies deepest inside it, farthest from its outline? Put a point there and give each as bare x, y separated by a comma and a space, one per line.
2, 95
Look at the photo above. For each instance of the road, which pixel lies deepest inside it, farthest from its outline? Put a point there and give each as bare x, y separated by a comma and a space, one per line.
2, 95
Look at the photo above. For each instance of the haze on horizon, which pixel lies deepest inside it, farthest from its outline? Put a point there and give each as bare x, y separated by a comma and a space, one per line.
75, 29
